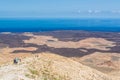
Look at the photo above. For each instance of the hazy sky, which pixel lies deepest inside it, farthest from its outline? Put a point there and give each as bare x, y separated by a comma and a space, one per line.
60, 8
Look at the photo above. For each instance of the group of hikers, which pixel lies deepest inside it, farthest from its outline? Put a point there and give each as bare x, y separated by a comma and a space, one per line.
16, 60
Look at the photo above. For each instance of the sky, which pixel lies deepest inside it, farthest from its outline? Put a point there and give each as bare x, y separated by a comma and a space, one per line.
60, 8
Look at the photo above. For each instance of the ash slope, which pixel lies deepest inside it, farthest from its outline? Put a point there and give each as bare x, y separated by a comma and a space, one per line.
49, 66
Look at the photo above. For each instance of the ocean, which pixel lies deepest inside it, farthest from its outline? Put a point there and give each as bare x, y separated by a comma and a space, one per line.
38, 25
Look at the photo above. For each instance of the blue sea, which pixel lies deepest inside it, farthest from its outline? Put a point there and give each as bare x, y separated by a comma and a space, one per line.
38, 25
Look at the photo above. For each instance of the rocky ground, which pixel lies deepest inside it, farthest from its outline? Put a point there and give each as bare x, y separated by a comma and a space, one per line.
48, 66
98, 50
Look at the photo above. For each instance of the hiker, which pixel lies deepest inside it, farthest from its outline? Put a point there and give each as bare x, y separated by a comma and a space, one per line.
16, 60
36, 55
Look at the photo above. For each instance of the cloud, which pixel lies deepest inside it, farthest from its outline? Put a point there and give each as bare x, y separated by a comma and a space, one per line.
97, 11
79, 11
90, 11
116, 11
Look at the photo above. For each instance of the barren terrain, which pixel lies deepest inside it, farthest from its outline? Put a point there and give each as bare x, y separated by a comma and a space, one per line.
98, 50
